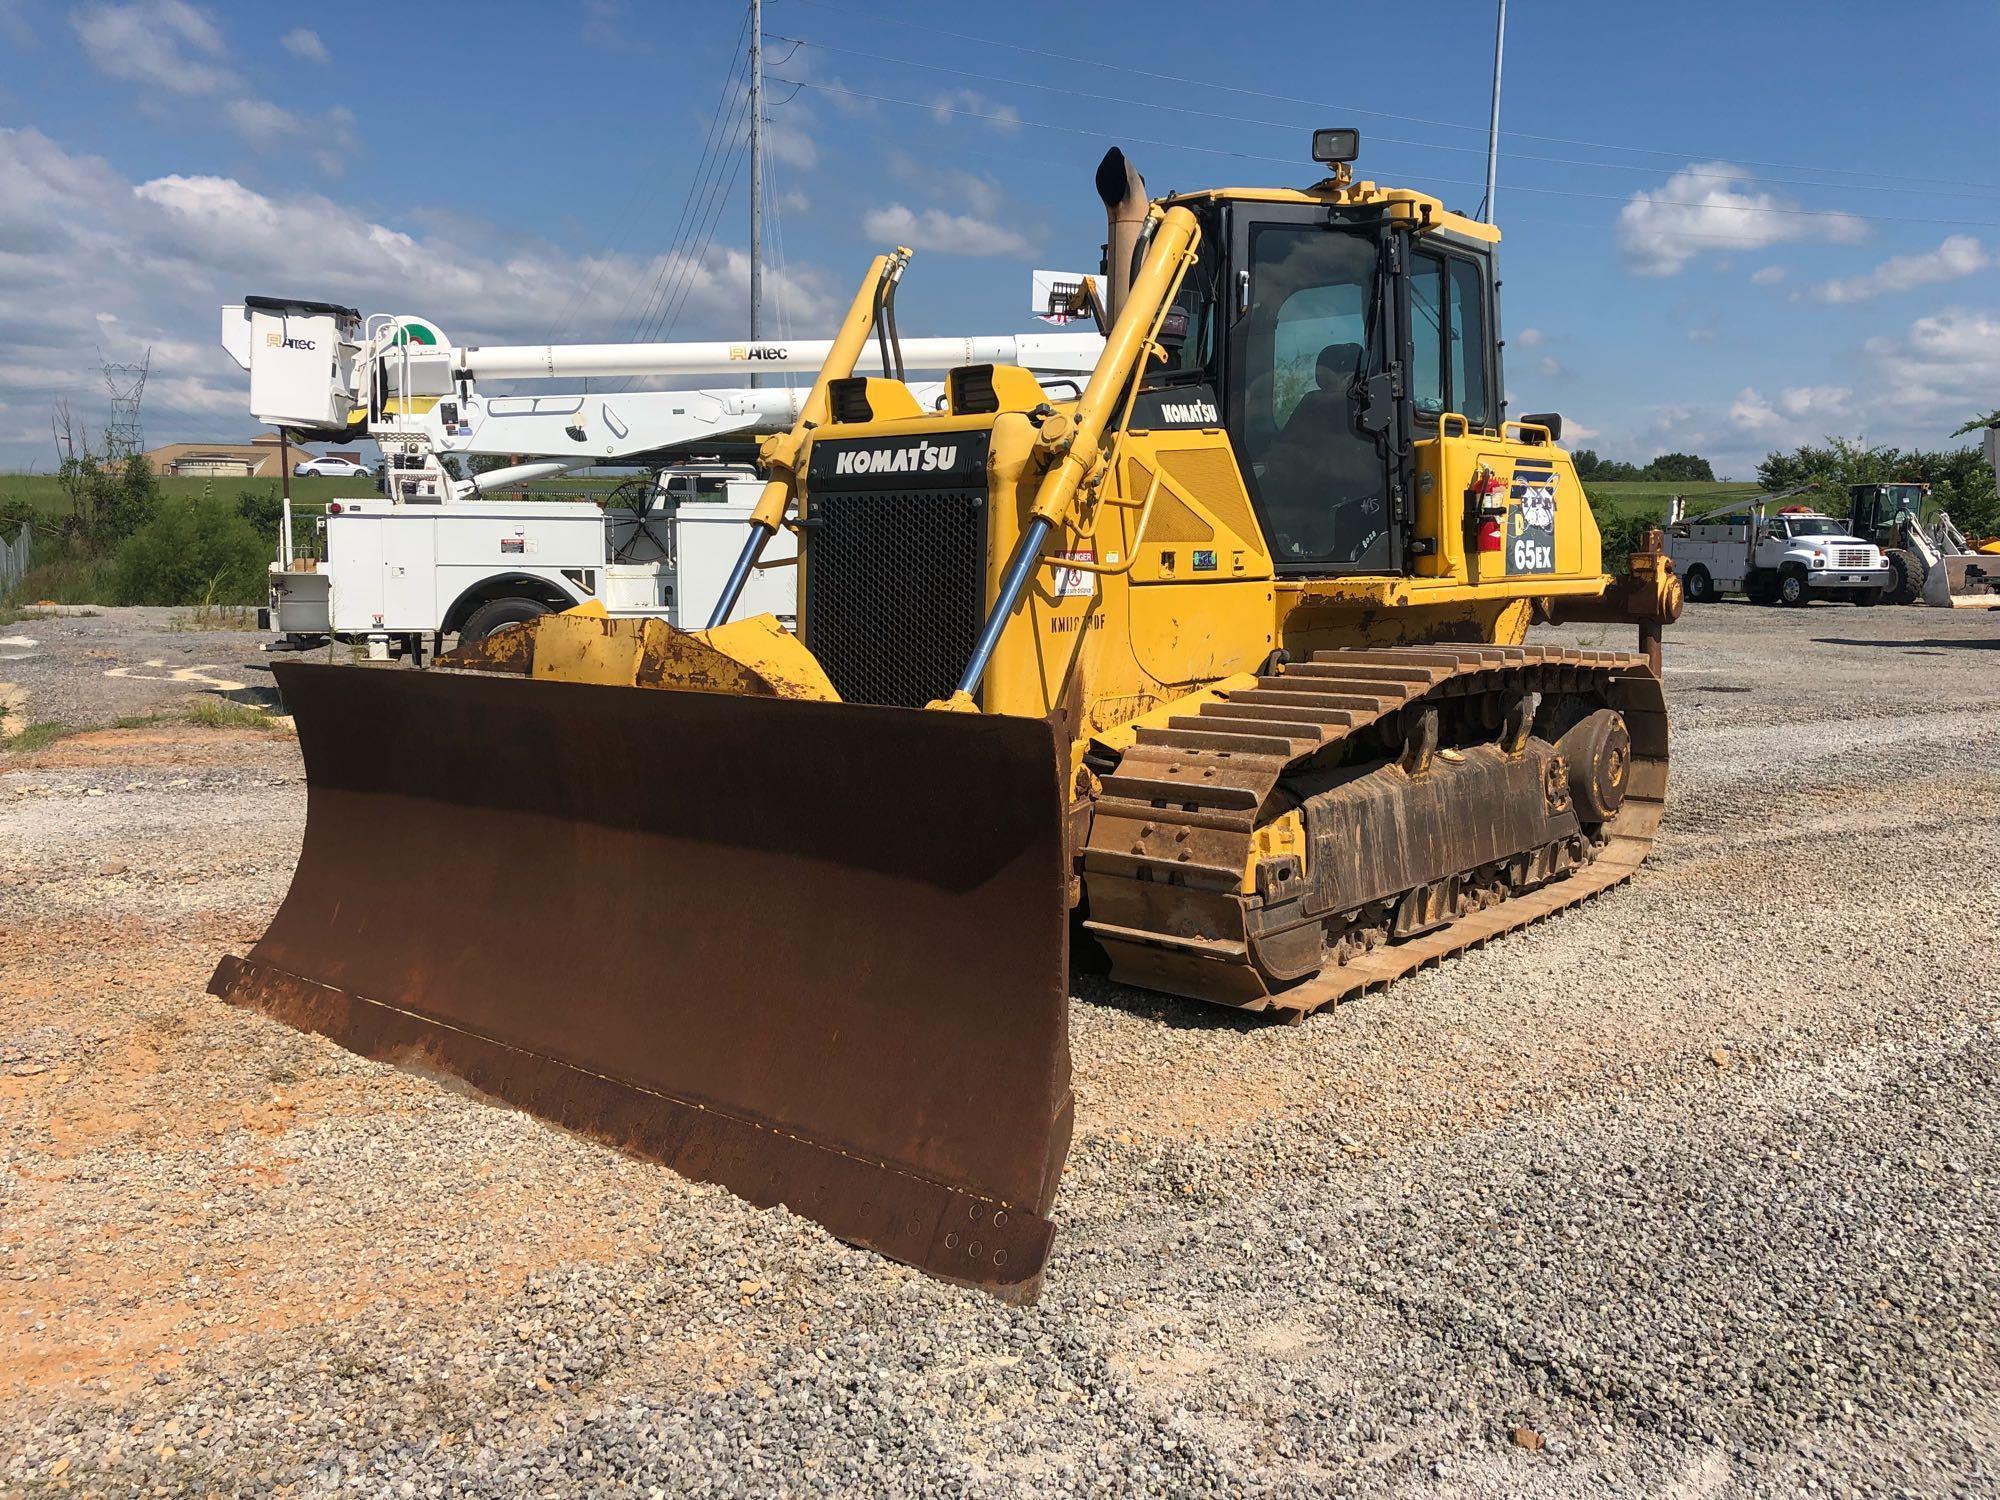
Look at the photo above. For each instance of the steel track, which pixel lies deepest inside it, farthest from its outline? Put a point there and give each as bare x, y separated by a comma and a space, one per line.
1174, 828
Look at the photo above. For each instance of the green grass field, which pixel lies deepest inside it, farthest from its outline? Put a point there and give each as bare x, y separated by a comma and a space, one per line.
1643, 498
42, 491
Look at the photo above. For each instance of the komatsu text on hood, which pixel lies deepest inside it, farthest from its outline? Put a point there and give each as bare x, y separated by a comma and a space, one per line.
955, 459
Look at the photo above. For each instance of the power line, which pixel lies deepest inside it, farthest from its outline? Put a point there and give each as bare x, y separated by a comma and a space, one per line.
675, 265
1208, 114
1098, 133
700, 191
694, 262
720, 126
581, 298
1680, 153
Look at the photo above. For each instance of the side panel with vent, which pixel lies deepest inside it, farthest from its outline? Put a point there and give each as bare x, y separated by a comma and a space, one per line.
1200, 504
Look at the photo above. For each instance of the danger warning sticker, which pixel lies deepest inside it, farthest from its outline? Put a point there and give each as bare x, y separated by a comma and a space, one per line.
1075, 583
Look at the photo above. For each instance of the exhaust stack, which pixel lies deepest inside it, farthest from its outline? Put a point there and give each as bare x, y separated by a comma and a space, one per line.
1124, 193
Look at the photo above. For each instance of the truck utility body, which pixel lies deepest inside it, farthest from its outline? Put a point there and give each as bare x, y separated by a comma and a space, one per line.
1792, 557
391, 572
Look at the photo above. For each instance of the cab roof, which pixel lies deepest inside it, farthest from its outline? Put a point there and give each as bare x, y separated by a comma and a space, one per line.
1402, 204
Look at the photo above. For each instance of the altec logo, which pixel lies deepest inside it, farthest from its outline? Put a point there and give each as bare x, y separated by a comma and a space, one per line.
279, 341
758, 351
922, 457
1195, 413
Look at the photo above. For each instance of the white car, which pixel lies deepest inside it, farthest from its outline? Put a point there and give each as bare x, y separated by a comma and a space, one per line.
333, 468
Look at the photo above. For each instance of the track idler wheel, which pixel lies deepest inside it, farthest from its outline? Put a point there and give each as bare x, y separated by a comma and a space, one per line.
1598, 751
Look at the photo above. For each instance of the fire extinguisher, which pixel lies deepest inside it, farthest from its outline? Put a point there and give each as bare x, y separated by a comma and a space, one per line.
1486, 512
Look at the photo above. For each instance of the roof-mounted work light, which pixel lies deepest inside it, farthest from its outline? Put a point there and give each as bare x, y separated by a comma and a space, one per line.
1336, 146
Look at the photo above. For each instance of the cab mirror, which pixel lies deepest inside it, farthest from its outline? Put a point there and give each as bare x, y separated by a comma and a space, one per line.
1377, 406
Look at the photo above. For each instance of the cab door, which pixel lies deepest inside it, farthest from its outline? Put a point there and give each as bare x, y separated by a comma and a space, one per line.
1310, 393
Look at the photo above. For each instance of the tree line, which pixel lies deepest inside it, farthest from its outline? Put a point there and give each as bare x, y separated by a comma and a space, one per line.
1961, 480
1673, 468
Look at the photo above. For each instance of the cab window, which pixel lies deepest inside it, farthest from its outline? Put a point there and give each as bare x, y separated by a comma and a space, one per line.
1467, 332
1448, 338
1427, 323
1319, 479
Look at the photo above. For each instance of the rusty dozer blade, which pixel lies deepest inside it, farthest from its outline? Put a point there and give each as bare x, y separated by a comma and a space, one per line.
811, 951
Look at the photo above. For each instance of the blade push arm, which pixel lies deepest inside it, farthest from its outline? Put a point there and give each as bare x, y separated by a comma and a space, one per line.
1074, 448
782, 451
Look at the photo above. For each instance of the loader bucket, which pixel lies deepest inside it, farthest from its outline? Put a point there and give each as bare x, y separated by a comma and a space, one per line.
811, 951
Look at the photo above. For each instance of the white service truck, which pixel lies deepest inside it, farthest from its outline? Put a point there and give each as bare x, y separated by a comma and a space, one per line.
399, 575
436, 555
1792, 557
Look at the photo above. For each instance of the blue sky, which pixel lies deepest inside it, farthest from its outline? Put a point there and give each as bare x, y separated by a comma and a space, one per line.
1725, 230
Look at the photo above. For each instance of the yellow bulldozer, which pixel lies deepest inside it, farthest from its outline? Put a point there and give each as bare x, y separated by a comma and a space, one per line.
1218, 663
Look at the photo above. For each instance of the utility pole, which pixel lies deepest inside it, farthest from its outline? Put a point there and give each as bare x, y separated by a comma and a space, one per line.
756, 175
1493, 130
127, 384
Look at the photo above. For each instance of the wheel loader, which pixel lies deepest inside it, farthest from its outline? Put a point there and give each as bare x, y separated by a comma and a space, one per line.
1218, 665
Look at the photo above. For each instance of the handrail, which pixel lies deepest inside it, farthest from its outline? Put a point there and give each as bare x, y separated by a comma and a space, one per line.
1112, 570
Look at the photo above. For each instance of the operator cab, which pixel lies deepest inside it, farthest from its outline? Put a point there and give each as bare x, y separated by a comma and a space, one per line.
1793, 523
1329, 331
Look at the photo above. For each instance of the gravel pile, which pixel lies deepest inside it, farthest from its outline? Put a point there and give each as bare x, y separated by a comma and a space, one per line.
1691, 1190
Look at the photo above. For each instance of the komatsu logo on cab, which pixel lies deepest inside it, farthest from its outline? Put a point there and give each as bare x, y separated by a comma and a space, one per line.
1194, 413
922, 457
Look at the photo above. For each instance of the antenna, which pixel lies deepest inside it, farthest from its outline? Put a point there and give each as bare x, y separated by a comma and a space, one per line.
127, 384
756, 174
1493, 130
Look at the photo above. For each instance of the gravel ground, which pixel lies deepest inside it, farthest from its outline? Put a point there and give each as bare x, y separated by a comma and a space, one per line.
1688, 1191
90, 668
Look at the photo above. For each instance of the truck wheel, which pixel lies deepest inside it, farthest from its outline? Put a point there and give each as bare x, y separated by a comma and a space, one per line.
1906, 575
1698, 586
1793, 590
495, 613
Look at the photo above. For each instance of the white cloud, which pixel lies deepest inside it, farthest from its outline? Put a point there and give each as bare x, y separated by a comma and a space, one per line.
974, 192
1709, 207
267, 126
169, 46
1816, 401
159, 43
1769, 276
1531, 338
91, 260
1959, 255
955, 104
305, 45
1751, 412
1550, 366
1946, 366
1817, 407
14, 26
937, 229
259, 121
1702, 335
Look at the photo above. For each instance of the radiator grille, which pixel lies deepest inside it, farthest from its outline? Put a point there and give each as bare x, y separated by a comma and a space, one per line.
895, 590
1853, 557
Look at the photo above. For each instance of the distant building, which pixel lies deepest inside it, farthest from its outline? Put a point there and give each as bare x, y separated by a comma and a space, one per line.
256, 459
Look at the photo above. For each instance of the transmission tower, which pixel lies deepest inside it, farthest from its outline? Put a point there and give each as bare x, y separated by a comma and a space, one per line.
127, 384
